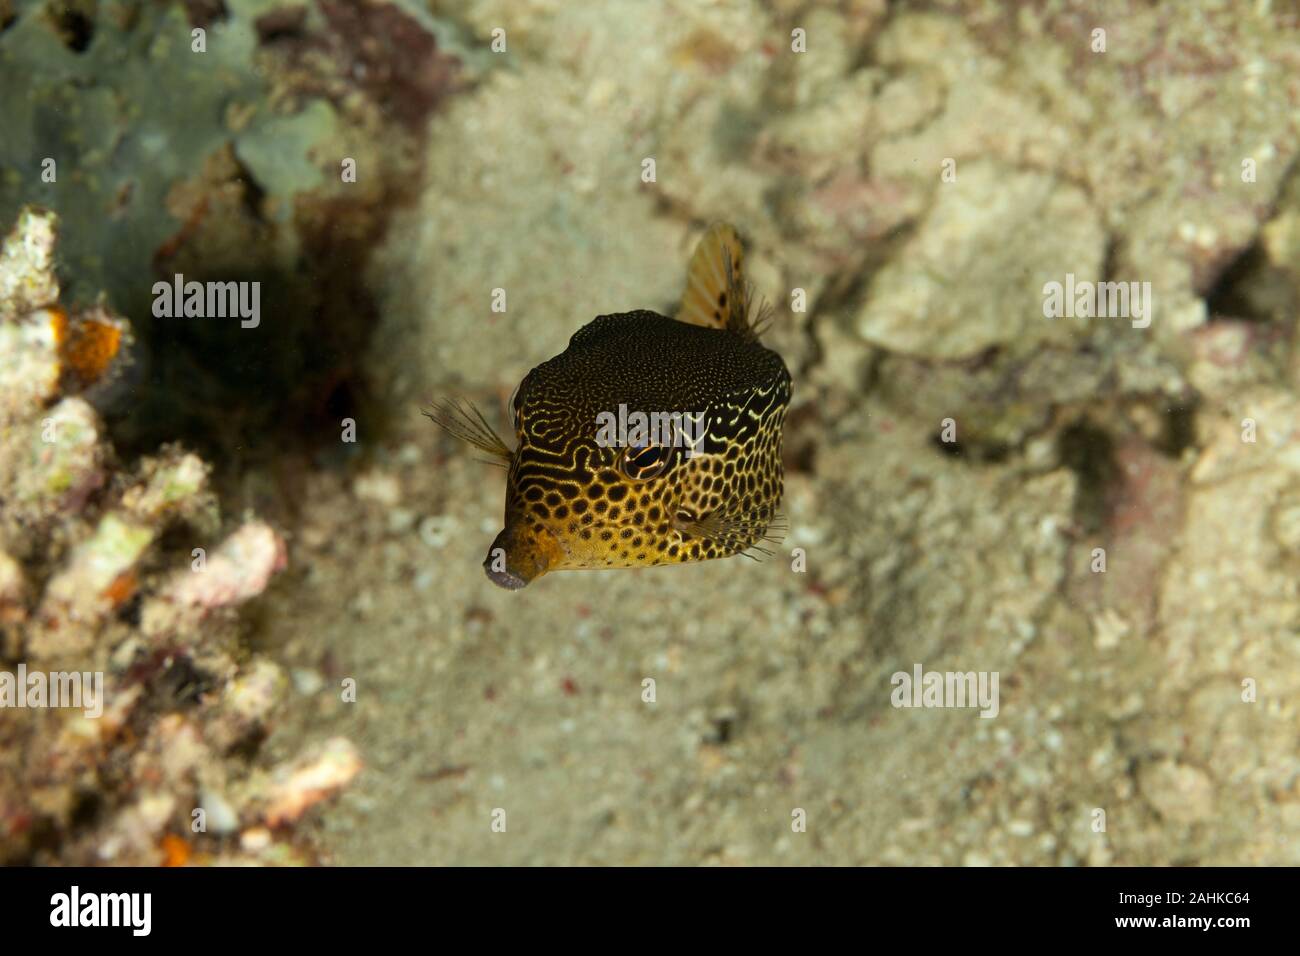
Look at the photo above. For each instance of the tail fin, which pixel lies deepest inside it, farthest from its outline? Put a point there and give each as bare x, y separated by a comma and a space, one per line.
717, 296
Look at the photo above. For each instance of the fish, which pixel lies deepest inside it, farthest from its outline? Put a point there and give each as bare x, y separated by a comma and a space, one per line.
650, 440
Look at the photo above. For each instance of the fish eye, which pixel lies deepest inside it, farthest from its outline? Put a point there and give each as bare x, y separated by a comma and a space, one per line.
642, 464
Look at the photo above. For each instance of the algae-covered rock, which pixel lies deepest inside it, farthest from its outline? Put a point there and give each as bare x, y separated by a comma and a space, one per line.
63, 461
27, 264
972, 278
153, 713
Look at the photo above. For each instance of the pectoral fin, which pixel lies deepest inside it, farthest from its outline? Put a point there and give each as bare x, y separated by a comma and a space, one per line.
462, 419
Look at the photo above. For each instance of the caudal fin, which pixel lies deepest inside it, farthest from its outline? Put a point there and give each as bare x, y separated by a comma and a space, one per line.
717, 296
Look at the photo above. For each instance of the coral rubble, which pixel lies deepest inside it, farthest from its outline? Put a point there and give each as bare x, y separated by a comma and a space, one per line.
107, 585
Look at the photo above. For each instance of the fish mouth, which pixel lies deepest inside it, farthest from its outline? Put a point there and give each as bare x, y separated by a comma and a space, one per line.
504, 578
520, 555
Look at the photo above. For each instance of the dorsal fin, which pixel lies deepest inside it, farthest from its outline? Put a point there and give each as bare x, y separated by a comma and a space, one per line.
712, 286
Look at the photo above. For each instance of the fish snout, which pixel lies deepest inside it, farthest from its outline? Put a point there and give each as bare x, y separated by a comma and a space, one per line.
518, 556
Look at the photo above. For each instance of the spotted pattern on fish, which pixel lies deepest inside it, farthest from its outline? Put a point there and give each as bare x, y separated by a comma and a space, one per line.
572, 504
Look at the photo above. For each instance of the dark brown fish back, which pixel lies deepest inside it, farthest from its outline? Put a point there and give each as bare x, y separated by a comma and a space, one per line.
652, 363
